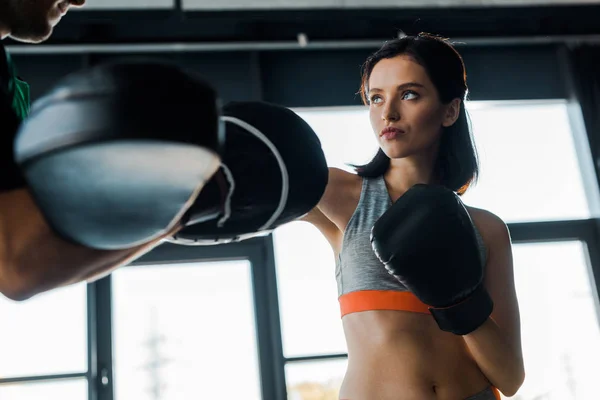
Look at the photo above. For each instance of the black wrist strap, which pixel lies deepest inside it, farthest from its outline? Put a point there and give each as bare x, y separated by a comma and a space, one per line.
466, 316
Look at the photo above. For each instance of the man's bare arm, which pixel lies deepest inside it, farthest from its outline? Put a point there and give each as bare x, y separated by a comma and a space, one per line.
33, 259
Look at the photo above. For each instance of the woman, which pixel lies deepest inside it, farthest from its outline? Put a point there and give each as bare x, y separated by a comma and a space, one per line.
415, 88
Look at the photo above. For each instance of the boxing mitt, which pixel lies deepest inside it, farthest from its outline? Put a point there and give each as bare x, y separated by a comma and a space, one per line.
273, 172
427, 240
115, 155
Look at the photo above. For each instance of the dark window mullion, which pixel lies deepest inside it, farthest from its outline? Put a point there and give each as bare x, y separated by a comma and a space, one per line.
92, 348
525, 232
101, 377
592, 242
272, 358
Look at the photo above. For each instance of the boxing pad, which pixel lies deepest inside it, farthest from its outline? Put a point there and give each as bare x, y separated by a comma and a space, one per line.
427, 240
116, 154
273, 172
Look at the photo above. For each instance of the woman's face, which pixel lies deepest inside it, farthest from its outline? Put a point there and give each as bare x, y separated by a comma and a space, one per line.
405, 110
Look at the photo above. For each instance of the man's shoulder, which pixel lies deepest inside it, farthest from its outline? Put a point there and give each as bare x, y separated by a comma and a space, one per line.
5, 73
3, 60
4, 70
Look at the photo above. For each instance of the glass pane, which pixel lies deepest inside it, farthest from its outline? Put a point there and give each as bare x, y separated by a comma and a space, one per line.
45, 335
560, 327
310, 314
529, 165
345, 133
309, 380
315, 379
185, 331
63, 390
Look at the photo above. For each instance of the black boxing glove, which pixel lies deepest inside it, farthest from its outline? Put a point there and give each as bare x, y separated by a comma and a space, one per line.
273, 172
427, 240
115, 155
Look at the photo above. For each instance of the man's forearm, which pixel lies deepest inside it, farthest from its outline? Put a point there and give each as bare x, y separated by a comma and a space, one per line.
102, 271
35, 259
51, 264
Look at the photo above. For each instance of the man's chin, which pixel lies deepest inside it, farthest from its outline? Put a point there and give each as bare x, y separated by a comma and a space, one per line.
33, 37
30, 39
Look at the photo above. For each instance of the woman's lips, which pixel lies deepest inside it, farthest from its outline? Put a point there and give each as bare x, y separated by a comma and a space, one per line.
390, 133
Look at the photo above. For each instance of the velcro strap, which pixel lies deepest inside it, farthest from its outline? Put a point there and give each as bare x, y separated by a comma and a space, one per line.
466, 316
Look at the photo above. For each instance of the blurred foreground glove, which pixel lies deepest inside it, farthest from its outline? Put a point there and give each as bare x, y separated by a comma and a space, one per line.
115, 155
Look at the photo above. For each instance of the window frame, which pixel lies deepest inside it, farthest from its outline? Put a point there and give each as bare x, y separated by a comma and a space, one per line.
586, 231
253, 67
259, 253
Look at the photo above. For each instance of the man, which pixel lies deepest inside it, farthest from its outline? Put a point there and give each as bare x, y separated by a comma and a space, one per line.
45, 244
32, 21
33, 258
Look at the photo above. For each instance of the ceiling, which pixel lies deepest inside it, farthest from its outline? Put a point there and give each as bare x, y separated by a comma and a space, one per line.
270, 21
212, 5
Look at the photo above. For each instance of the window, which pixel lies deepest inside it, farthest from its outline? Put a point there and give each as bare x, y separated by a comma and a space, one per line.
63, 390
559, 321
45, 335
185, 331
528, 158
529, 165
345, 133
310, 315
315, 379
529, 172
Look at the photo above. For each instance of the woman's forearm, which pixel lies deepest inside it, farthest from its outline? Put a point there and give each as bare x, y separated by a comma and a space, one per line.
496, 357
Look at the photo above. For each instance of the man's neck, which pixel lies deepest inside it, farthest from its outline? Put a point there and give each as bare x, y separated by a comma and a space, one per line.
4, 26
4, 31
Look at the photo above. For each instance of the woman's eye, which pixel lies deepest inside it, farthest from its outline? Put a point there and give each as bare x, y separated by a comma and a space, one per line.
375, 99
410, 93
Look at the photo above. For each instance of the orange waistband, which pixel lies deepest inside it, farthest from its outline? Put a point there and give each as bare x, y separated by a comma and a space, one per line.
496, 393
366, 300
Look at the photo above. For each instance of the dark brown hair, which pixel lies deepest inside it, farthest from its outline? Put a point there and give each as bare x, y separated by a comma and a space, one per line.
457, 164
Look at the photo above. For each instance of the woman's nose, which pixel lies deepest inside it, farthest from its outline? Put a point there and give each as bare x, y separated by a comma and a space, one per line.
390, 113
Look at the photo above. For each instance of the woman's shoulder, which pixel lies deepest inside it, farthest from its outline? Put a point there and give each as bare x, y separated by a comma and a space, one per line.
333, 211
492, 228
485, 217
340, 197
338, 176
342, 187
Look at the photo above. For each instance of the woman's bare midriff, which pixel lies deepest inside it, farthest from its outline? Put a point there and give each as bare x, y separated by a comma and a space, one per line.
398, 355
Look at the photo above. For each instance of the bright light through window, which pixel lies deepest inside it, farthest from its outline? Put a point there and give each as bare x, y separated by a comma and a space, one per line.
529, 165
185, 331
529, 172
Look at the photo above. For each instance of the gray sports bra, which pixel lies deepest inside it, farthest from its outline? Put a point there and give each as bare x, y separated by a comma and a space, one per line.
363, 283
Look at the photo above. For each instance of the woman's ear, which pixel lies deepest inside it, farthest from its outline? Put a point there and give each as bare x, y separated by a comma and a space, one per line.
451, 113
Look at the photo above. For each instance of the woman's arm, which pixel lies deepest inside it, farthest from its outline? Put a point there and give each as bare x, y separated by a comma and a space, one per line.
337, 204
34, 260
331, 232
496, 345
